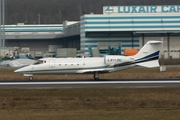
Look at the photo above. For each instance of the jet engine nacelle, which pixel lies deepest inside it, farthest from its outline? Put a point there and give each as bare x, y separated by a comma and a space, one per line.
115, 59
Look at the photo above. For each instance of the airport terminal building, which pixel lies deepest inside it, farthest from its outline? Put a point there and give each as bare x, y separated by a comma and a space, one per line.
131, 26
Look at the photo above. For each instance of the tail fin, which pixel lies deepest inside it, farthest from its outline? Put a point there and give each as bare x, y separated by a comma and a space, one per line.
149, 54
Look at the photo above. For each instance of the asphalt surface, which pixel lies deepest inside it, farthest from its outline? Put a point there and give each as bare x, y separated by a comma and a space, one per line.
123, 83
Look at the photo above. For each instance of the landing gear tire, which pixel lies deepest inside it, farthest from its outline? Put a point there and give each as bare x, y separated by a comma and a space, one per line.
31, 78
96, 76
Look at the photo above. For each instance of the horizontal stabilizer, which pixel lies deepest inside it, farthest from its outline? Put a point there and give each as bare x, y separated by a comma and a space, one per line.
94, 70
149, 64
155, 42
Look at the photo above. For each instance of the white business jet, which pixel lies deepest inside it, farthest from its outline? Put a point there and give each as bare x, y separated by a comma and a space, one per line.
147, 57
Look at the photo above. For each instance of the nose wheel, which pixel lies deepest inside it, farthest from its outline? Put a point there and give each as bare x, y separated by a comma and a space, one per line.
96, 76
30, 78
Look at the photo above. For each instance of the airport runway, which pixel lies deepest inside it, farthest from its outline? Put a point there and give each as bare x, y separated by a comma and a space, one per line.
89, 83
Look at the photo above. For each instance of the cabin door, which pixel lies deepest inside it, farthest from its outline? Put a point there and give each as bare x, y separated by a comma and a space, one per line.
51, 63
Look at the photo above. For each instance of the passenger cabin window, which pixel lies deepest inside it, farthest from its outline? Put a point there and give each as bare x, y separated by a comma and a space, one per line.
38, 62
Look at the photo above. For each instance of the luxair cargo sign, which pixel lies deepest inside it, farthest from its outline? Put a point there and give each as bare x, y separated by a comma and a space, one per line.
141, 9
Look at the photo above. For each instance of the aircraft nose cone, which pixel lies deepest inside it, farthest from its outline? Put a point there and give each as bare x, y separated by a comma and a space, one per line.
22, 70
18, 71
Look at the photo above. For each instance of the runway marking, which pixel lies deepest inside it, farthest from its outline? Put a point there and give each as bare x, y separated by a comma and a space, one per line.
90, 82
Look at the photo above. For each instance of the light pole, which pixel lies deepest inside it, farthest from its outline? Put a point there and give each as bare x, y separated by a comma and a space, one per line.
0, 25
3, 18
39, 18
2, 30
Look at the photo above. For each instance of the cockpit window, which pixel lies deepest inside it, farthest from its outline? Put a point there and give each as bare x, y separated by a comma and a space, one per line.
38, 62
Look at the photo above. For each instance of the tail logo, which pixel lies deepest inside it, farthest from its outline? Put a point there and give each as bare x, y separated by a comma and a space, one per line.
153, 56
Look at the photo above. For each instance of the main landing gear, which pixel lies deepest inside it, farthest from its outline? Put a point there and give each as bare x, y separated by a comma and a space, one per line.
30, 78
96, 76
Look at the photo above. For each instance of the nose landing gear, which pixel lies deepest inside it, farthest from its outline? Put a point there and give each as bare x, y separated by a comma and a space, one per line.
30, 76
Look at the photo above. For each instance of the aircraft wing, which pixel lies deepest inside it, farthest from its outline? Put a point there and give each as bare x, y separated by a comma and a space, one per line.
94, 70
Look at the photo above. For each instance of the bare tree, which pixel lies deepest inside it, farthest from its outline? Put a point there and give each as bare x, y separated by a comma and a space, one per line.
56, 11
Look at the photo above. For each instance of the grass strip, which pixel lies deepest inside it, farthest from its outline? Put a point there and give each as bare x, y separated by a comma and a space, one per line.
91, 103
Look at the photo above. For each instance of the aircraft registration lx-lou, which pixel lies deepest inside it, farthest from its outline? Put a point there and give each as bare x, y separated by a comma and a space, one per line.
147, 57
